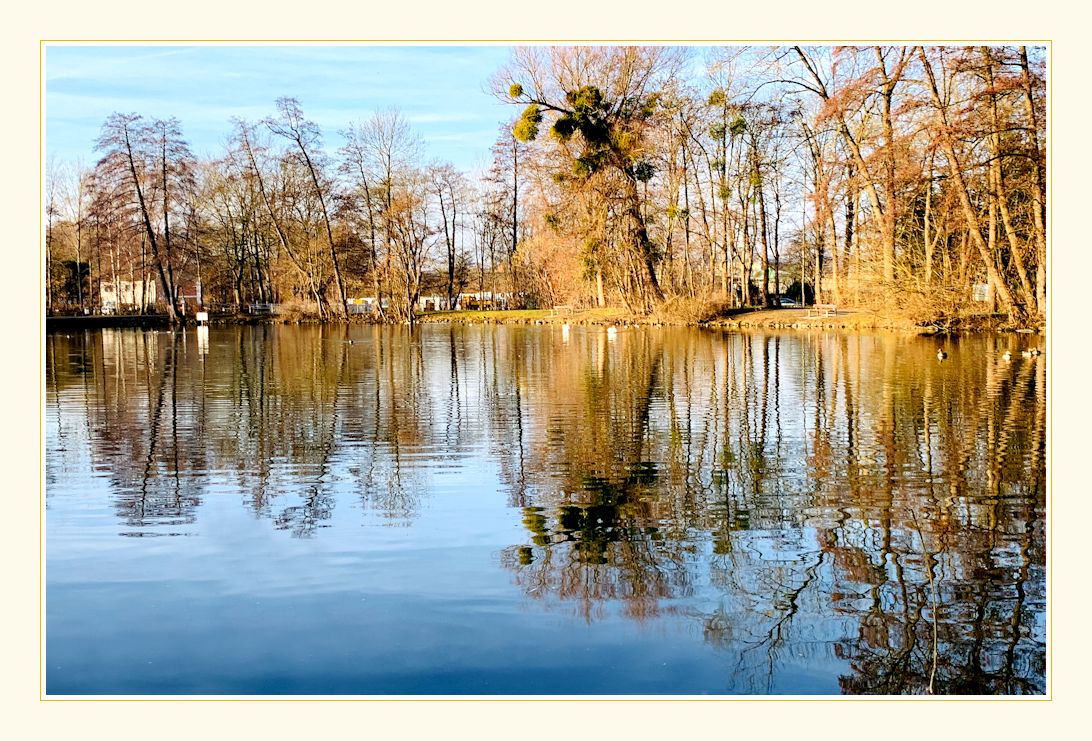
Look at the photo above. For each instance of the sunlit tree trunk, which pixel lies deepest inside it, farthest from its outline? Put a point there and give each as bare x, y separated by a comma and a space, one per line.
1038, 195
927, 224
763, 230
1000, 192
956, 177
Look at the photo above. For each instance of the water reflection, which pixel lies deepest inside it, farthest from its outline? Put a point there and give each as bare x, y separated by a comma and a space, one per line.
798, 500
812, 483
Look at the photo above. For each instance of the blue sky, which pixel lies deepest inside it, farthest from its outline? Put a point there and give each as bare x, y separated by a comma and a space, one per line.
439, 89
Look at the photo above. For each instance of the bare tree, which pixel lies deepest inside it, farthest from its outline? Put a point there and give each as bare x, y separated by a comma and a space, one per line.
449, 186
411, 233
153, 160
307, 141
957, 176
381, 156
278, 195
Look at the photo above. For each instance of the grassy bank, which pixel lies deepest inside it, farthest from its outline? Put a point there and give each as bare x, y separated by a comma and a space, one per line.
527, 316
786, 318
802, 318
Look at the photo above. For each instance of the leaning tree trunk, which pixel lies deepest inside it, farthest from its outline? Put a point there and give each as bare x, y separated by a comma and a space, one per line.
997, 176
329, 232
172, 310
640, 242
955, 170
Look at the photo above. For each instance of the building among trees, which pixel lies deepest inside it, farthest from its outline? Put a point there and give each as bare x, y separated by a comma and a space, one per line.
126, 296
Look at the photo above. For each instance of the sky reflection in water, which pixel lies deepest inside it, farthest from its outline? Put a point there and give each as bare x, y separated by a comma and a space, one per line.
473, 510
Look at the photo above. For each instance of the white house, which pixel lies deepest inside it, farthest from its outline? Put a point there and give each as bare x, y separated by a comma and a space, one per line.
126, 294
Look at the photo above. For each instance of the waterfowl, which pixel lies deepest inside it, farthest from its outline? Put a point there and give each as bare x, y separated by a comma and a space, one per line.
1006, 356
941, 355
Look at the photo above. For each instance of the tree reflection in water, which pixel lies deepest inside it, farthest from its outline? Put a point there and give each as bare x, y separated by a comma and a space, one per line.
801, 498
832, 497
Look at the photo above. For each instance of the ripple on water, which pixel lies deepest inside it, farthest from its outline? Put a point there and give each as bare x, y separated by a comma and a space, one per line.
671, 511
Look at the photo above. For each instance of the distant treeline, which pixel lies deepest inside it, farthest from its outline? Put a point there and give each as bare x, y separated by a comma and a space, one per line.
661, 179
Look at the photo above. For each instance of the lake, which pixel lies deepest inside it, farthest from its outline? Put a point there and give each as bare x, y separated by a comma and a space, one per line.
531, 510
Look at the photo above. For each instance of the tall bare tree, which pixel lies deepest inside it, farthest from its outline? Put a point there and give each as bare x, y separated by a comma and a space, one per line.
155, 162
381, 156
449, 186
306, 139
278, 195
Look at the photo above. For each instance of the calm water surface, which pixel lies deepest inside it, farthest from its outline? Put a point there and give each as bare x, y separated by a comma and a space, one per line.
497, 510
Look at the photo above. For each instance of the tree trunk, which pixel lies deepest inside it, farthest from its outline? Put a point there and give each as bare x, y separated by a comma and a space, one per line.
372, 252
955, 170
1039, 193
172, 310
763, 233
851, 223
888, 217
926, 236
997, 177
639, 241
329, 232
279, 228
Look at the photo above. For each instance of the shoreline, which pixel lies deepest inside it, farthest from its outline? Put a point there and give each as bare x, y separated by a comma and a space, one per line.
794, 318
